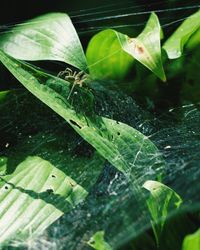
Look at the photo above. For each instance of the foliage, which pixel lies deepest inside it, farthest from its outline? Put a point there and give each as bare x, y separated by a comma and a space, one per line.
192, 241
42, 179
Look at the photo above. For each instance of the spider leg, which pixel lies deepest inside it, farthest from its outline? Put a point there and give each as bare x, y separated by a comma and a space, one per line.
69, 71
80, 83
71, 90
84, 77
61, 73
79, 74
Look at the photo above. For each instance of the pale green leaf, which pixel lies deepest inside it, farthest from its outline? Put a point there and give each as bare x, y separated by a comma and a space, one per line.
175, 44
48, 37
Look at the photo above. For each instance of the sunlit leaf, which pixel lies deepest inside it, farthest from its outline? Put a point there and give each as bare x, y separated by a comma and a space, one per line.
48, 37
175, 44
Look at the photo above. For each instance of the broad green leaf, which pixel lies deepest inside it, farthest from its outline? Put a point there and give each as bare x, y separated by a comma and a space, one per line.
175, 44
34, 196
162, 200
106, 58
97, 242
123, 146
192, 241
105, 53
48, 37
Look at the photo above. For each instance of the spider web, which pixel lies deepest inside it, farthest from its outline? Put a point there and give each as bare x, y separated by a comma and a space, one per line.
111, 206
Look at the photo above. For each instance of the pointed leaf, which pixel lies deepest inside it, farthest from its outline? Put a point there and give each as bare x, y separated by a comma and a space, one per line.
48, 37
146, 47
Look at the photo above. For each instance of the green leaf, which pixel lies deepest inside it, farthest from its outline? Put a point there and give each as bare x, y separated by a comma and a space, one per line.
145, 48
97, 242
190, 90
192, 241
106, 58
175, 44
48, 37
194, 40
123, 146
3, 94
34, 196
3, 164
162, 200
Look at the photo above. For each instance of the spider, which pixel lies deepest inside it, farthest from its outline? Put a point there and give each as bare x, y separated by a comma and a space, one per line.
76, 78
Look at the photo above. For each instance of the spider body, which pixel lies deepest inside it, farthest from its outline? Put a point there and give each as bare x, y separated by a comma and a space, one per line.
75, 78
